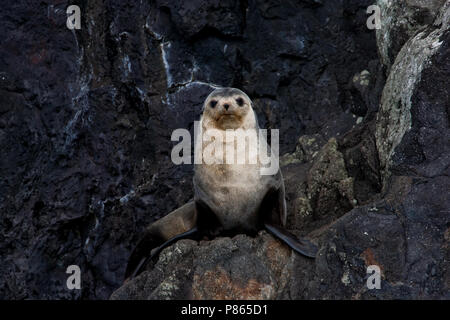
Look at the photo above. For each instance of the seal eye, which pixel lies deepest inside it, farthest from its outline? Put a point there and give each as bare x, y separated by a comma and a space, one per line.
240, 102
213, 103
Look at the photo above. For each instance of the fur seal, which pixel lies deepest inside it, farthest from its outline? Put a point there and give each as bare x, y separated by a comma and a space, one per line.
228, 198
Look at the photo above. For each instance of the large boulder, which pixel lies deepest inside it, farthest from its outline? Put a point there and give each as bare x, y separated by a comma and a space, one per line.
236, 268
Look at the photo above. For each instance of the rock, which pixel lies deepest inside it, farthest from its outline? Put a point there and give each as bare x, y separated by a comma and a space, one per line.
385, 233
324, 183
214, 270
360, 154
194, 17
330, 189
319, 191
307, 148
402, 121
400, 21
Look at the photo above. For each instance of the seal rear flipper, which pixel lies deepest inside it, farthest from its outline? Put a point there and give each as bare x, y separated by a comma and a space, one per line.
302, 246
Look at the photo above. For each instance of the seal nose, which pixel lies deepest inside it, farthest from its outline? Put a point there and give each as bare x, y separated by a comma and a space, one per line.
226, 106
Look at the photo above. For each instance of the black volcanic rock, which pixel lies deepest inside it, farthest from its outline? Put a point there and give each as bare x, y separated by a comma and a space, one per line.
86, 118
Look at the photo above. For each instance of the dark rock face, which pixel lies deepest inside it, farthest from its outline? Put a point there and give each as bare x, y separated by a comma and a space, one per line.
86, 118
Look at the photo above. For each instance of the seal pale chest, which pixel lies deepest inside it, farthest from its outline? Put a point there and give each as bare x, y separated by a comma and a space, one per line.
233, 189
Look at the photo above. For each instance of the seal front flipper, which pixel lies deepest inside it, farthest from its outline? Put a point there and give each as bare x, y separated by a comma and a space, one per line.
143, 261
170, 228
302, 246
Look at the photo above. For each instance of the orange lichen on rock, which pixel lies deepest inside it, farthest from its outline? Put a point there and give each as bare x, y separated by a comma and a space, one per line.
218, 284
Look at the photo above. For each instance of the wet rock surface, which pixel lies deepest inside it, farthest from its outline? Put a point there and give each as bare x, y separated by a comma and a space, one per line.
86, 118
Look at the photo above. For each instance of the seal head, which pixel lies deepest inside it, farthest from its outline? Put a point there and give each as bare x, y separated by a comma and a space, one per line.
228, 108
